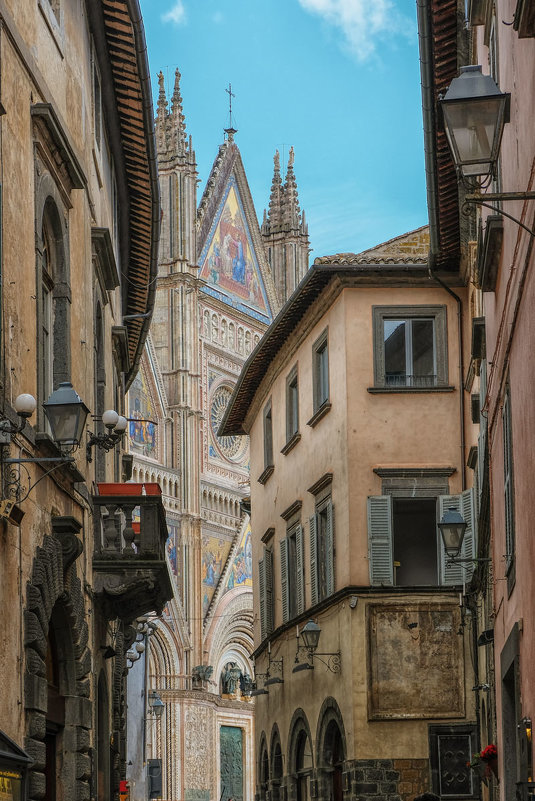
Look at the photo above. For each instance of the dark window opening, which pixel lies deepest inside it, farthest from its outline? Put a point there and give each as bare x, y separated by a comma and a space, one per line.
415, 542
303, 766
410, 352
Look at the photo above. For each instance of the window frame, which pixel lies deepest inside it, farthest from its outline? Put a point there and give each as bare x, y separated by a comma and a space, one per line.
292, 411
322, 542
439, 316
292, 572
267, 432
508, 487
321, 400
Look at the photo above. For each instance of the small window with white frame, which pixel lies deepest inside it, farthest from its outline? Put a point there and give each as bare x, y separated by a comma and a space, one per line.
410, 347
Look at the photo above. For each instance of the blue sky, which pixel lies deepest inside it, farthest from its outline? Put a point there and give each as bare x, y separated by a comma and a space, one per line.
337, 79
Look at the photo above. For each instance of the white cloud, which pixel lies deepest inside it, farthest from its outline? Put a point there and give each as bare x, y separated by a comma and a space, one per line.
361, 22
176, 14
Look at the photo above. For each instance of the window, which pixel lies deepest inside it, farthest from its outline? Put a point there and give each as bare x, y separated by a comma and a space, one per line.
265, 582
508, 484
292, 411
405, 545
54, 305
322, 551
268, 443
320, 368
410, 349
322, 546
97, 104
292, 565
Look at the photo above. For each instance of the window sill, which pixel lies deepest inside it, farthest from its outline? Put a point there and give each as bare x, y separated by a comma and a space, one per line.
292, 442
408, 390
322, 411
266, 474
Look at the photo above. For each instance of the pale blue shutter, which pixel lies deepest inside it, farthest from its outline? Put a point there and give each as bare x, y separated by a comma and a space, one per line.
468, 511
284, 579
380, 540
268, 562
448, 574
262, 595
329, 572
313, 561
300, 568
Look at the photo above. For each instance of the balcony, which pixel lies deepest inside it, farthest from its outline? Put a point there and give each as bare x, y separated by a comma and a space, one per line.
131, 574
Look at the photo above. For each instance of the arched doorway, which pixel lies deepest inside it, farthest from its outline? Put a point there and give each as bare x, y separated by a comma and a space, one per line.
55, 713
334, 760
276, 765
303, 765
104, 790
263, 770
331, 751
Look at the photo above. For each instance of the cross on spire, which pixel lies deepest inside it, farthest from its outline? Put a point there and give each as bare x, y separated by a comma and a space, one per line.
230, 131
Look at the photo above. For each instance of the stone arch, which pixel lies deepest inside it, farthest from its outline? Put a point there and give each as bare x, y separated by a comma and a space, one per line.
262, 769
276, 767
331, 750
300, 765
55, 628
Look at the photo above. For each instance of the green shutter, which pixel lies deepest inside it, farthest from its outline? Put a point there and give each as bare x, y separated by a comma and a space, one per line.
380, 540
300, 568
284, 579
262, 594
268, 568
329, 572
313, 561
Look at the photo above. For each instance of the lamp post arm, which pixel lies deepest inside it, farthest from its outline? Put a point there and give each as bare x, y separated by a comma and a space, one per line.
502, 196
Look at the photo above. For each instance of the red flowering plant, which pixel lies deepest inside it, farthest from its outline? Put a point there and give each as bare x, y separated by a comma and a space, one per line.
485, 761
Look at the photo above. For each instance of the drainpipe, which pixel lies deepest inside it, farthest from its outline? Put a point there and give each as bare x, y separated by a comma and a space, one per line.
459, 302
429, 125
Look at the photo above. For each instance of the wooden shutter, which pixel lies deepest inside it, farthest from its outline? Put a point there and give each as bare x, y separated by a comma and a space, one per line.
268, 570
462, 572
380, 540
284, 579
313, 561
262, 596
329, 571
300, 570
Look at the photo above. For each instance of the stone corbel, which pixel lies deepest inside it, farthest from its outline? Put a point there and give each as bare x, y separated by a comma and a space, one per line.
65, 529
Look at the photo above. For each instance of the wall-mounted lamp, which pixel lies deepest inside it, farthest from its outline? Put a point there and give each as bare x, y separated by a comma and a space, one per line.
156, 705
144, 630
475, 111
66, 414
452, 528
116, 427
310, 634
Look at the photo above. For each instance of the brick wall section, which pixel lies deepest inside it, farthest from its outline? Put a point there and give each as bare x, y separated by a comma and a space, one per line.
371, 780
413, 777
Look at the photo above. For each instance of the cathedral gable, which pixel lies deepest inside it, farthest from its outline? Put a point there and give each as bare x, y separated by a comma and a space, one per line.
228, 261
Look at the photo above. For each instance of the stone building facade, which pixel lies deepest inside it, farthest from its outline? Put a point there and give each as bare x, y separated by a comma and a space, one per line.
79, 223
217, 291
357, 448
493, 235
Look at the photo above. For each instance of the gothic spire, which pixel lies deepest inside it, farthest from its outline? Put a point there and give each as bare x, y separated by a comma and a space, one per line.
276, 200
291, 200
161, 121
177, 116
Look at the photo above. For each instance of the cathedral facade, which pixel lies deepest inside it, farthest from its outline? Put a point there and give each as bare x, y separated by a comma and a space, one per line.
222, 279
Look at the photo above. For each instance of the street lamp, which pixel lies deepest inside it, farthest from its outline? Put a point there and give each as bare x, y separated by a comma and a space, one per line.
475, 111
310, 634
66, 413
156, 705
452, 527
